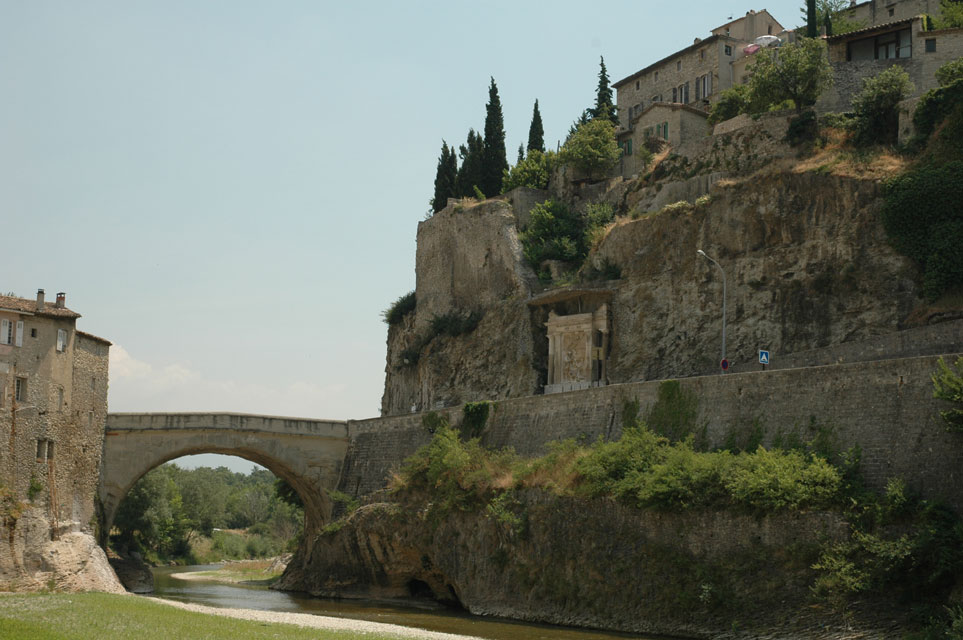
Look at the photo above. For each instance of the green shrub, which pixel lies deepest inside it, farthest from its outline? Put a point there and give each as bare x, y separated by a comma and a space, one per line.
731, 103
875, 112
399, 309
935, 106
592, 149
675, 412
774, 480
554, 232
597, 218
948, 385
842, 121
923, 220
950, 72
454, 324
533, 171
474, 417
802, 128
35, 488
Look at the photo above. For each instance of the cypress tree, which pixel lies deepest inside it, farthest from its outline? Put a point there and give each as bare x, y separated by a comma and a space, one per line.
494, 160
812, 29
521, 153
469, 174
604, 102
445, 177
536, 134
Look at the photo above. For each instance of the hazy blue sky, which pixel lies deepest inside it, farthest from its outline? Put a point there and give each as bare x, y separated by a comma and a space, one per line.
229, 191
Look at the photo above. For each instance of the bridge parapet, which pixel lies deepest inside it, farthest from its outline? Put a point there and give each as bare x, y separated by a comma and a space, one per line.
117, 422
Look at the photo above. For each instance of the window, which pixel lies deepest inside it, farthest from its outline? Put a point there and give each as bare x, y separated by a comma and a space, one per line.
678, 65
703, 86
665, 130
702, 54
11, 332
891, 11
33, 333
728, 50
683, 93
20, 390
675, 94
656, 75
769, 30
45, 450
930, 45
627, 147
60, 398
61, 340
636, 85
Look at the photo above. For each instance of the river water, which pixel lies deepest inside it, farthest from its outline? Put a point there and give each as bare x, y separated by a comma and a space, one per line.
217, 594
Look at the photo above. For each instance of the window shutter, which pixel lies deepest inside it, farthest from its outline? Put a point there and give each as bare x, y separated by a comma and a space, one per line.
4, 332
19, 333
61, 339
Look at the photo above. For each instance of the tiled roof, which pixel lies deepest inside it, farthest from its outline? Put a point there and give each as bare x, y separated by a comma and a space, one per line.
91, 336
10, 303
878, 27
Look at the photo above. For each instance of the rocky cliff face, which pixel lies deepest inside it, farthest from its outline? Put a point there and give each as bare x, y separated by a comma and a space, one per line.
577, 562
806, 260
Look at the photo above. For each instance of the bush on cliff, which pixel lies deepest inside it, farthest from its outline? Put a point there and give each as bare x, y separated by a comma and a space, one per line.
592, 149
532, 172
875, 106
399, 309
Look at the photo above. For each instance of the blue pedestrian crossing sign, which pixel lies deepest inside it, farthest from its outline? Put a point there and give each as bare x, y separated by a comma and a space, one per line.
763, 357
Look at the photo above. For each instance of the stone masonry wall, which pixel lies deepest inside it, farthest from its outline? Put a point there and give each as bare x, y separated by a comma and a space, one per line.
885, 407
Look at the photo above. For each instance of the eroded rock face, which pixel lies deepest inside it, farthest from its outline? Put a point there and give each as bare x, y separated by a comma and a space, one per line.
575, 562
807, 266
30, 560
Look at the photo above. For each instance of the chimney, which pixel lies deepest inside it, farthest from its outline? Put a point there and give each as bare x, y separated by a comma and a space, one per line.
39, 299
61, 299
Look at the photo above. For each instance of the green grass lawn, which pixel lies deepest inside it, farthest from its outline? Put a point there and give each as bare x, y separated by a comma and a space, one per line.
101, 616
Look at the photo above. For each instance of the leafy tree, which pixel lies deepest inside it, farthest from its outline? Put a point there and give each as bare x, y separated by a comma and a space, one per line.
470, 173
592, 148
950, 72
532, 171
875, 106
798, 72
536, 134
732, 102
833, 14
445, 177
951, 14
812, 28
554, 232
582, 120
924, 221
494, 159
604, 102
948, 385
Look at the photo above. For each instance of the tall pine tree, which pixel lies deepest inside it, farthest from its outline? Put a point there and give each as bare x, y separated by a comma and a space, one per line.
812, 28
536, 134
470, 173
604, 102
494, 160
445, 177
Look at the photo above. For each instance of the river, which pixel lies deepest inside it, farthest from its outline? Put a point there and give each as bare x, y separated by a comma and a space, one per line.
218, 594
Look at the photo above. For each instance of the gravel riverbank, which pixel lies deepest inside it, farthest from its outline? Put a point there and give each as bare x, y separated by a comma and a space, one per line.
316, 622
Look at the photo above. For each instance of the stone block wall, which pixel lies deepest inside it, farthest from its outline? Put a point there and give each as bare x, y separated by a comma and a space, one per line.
884, 407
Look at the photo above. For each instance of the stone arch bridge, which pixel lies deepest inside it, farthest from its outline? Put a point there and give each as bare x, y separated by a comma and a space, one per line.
308, 454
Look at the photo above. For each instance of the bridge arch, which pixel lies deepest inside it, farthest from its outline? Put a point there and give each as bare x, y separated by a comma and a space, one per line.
306, 453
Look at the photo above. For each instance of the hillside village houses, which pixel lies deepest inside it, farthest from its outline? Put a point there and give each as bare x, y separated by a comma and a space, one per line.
670, 99
53, 408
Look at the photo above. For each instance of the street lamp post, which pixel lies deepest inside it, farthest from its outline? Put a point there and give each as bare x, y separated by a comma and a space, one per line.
703, 254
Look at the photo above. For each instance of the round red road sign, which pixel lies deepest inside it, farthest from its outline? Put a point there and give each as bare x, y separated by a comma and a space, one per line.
724, 364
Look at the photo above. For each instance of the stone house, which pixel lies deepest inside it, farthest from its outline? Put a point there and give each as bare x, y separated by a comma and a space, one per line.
53, 408
875, 12
865, 52
672, 122
693, 76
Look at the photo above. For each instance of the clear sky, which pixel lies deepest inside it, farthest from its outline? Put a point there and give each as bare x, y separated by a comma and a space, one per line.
229, 191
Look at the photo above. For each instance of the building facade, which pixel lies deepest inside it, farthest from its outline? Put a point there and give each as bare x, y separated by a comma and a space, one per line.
693, 76
53, 408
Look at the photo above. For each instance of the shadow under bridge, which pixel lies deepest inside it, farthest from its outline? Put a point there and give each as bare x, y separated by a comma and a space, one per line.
307, 453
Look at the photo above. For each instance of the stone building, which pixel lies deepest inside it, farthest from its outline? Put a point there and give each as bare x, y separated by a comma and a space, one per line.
865, 52
875, 12
693, 76
53, 407
668, 121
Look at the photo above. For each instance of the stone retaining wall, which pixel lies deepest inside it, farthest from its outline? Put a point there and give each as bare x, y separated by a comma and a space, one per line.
885, 407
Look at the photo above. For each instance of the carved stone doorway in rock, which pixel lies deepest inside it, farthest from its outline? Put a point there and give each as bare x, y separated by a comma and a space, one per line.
573, 332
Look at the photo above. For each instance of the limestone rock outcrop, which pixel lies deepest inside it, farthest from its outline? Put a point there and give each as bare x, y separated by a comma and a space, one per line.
807, 266
72, 561
592, 563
